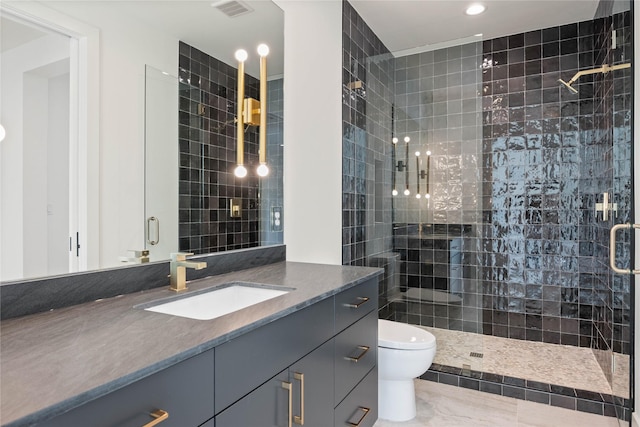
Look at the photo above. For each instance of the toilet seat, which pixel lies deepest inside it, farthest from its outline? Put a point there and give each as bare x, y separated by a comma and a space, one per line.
403, 336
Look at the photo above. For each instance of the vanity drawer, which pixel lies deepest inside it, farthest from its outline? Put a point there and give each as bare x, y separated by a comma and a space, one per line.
356, 351
355, 303
246, 362
360, 408
184, 390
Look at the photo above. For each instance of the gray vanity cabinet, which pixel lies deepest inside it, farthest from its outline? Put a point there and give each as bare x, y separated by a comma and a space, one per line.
355, 354
245, 363
184, 391
356, 357
309, 385
334, 381
266, 406
312, 387
360, 407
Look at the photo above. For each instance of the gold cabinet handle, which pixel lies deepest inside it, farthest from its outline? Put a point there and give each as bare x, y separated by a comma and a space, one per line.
363, 350
365, 412
287, 386
159, 416
300, 419
361, 300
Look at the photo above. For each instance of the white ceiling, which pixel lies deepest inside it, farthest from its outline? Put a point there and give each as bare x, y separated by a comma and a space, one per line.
404, 26
199, 24
408, 26
195, 22
14, 34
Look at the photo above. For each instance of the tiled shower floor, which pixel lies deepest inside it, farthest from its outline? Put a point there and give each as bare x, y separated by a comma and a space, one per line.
564, 365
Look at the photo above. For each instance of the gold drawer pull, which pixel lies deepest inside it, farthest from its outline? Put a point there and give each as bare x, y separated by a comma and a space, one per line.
287, 386
361, 300
363, 350
159, 416
365, 413
299, 419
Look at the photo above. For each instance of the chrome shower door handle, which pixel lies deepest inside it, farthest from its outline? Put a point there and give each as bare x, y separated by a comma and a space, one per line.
155, 221
612, 248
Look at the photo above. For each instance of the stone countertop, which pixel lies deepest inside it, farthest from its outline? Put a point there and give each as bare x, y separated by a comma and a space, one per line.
54, 361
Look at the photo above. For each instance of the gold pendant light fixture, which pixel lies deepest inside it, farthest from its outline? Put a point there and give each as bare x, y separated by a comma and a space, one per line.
263, 170
240, 171
252, 113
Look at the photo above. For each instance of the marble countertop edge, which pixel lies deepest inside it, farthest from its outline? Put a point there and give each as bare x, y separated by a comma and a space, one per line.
227, 327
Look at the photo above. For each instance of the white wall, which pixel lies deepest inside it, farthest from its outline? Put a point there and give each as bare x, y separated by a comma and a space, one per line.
126, 46
313, 130
34, 173
57, 209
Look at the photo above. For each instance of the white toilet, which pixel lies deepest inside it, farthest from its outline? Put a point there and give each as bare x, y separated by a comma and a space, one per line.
404, 352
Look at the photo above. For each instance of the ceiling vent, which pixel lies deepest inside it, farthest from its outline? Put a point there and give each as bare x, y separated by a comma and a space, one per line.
233, 8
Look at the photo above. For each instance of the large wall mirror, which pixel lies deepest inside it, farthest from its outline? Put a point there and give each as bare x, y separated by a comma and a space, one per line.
120, 132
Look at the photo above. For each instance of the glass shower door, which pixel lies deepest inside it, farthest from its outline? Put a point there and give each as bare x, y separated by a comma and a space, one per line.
619, 210
437, 178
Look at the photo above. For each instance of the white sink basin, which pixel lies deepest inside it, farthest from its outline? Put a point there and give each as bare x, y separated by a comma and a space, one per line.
221, 300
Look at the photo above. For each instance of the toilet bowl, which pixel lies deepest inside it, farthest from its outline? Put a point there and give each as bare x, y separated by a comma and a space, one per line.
404, 352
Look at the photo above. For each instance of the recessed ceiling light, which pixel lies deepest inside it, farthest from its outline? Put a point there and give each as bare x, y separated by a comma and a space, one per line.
475, 9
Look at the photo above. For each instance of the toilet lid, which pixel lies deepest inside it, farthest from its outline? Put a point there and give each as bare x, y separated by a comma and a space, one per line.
403, 336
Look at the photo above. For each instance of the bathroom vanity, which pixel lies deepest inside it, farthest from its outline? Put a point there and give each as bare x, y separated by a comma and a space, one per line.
309, 356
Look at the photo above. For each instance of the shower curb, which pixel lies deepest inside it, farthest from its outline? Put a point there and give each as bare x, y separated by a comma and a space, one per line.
534, 391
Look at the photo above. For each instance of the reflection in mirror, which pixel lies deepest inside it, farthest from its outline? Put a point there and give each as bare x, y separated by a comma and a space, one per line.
37, 219
203, 203
160, 160
129, 165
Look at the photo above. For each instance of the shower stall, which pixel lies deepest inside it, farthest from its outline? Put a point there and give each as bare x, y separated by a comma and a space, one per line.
486, 188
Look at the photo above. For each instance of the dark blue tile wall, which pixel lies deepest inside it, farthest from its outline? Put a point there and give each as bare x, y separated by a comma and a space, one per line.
540, 266
367, 97
534, 132
207, 158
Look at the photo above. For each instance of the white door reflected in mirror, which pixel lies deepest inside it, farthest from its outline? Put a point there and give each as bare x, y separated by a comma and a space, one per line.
39, 206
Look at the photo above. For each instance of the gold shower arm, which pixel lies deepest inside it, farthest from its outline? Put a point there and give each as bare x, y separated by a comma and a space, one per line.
604, 70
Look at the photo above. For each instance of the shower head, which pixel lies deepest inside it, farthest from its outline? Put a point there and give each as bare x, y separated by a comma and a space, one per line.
604, 70
568, 85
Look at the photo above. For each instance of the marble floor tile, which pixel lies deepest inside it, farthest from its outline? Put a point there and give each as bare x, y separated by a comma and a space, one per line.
531, 414
441, 405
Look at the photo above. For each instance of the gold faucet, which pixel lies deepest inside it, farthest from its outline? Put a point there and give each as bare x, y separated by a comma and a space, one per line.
178, 266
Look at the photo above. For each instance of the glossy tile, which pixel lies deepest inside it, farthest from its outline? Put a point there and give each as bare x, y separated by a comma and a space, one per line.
206, 179
533, 250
